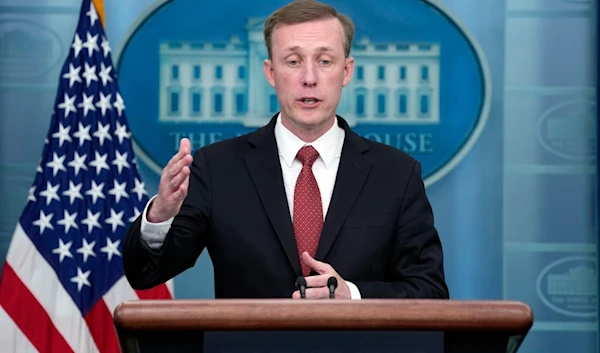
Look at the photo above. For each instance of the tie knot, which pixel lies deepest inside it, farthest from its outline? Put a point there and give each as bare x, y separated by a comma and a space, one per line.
307, 155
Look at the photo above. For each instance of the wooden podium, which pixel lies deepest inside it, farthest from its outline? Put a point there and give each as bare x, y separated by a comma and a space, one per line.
466, 326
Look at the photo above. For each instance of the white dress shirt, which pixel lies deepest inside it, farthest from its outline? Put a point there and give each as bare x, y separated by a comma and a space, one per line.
325, 167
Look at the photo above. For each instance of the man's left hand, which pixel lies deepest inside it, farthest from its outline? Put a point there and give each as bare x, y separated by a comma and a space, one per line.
317, 285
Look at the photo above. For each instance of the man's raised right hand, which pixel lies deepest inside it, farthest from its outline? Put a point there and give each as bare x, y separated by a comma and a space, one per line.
173, 187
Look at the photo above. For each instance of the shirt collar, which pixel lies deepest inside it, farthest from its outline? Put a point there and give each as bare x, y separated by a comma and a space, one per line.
329, 145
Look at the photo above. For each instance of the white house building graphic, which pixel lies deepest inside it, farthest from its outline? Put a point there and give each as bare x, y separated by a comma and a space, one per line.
393, 83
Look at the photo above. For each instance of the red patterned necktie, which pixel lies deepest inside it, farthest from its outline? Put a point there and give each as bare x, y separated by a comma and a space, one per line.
308, 208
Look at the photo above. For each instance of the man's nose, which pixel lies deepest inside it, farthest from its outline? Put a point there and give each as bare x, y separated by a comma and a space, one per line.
309, 77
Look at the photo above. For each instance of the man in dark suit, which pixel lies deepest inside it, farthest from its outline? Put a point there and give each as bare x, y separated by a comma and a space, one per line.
302, 196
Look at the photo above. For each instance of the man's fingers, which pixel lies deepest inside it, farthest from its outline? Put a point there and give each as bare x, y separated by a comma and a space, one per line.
181, 162
184, 151
317, 281
185, 184
313, 293
178, 180
185, 146
173, 170
317, 293
318, 266
183, 187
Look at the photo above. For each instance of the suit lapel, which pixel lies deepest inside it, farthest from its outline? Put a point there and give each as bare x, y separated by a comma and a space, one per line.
265, 170
352, 173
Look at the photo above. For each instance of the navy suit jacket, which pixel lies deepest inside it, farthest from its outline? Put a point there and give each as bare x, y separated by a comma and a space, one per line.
378, 232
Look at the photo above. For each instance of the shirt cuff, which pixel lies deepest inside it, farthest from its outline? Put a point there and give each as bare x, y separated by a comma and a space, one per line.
154, 234
354, 292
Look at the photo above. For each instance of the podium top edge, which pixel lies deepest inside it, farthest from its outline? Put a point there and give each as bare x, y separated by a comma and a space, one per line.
288, 314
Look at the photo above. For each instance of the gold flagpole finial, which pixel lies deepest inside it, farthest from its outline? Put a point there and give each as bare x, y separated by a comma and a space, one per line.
99, 5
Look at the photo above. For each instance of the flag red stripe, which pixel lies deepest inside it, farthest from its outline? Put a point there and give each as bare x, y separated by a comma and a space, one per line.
29, 315
100, 323
159, 292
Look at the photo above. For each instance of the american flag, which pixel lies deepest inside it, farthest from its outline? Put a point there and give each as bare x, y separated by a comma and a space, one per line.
63, 276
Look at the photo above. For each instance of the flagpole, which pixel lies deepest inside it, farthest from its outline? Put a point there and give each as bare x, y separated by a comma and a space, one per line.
99, 5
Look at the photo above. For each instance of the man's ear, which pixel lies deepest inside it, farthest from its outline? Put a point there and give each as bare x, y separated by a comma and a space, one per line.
269, 73
348, 71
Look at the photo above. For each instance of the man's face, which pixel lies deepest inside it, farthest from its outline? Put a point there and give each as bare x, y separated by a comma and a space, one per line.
308, 70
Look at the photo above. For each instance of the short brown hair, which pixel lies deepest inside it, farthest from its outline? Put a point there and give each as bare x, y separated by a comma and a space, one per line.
300, 11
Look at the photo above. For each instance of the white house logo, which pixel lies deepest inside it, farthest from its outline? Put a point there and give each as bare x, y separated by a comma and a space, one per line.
195, 70
568, 130
569, 286
27, 49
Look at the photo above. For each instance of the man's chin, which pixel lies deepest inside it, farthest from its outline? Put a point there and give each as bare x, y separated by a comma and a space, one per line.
313, 123
313, 118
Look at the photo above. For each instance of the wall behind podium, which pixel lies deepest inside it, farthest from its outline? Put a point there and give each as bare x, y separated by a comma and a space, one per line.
496, 98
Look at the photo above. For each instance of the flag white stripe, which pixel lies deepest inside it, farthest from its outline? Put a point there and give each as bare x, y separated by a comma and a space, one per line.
11, 337
41, 280
171, 287
118, 293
